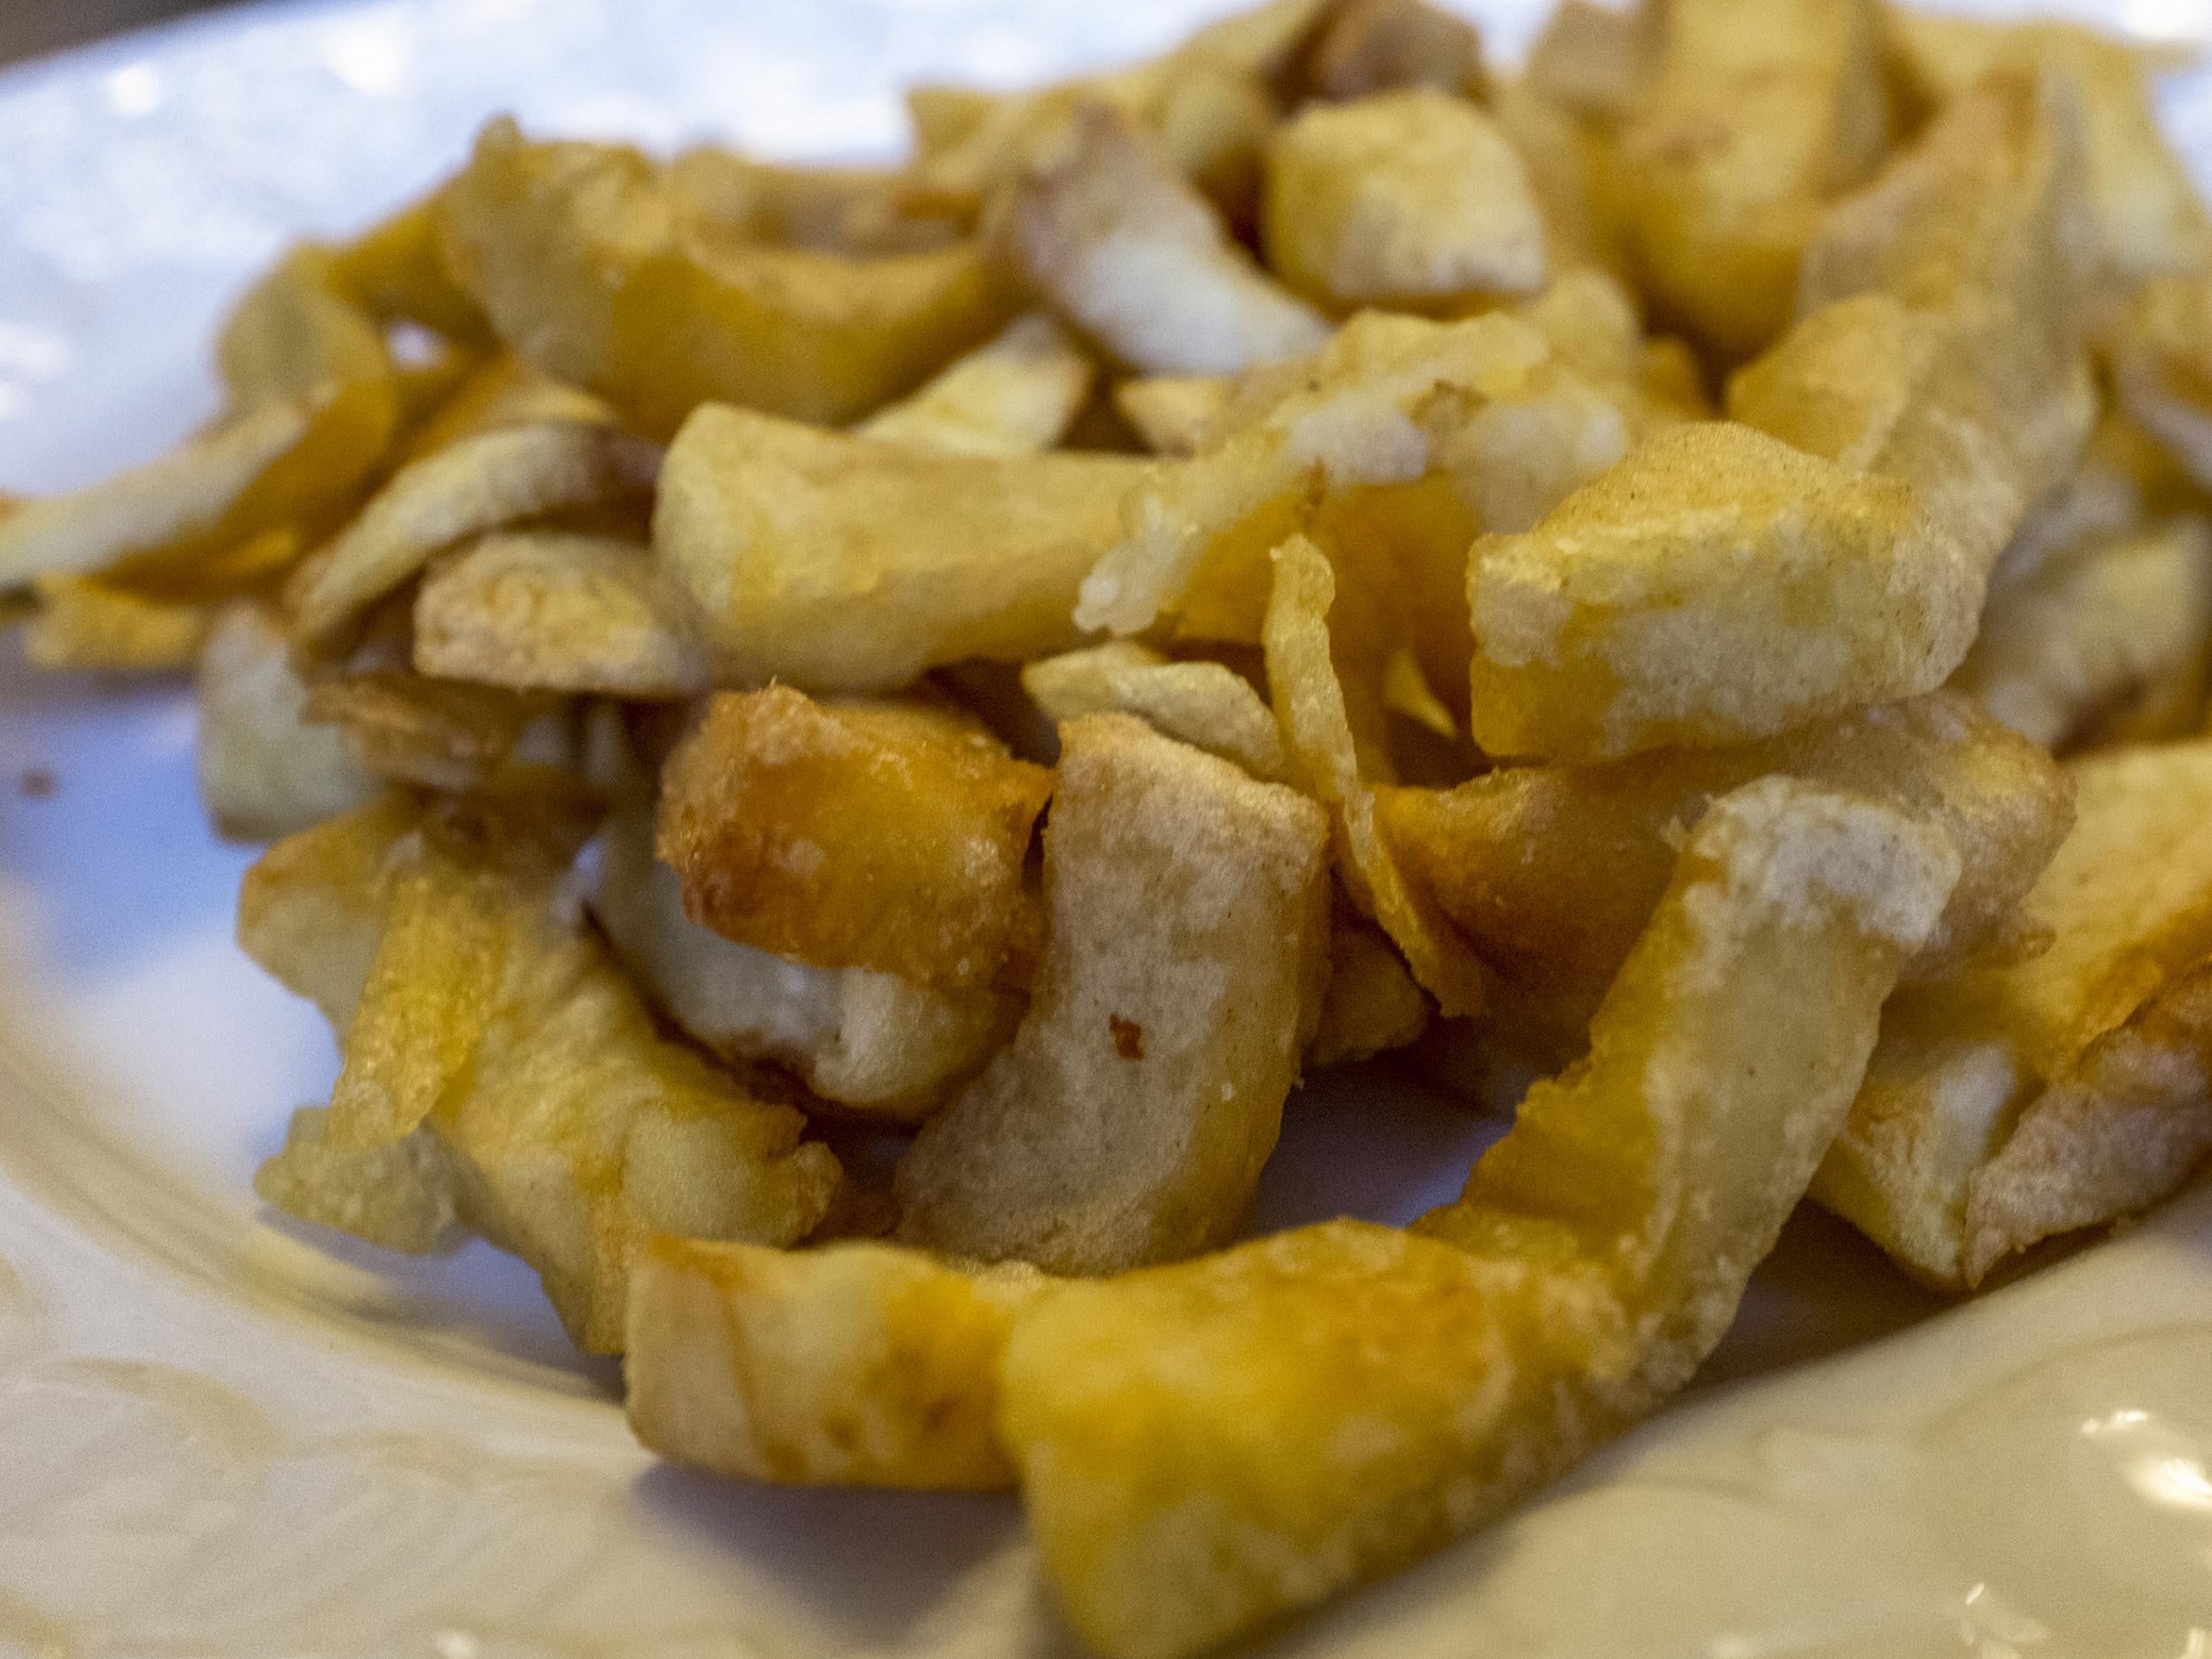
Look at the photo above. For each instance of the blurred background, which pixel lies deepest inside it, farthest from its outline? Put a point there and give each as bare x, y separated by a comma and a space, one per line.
29, 27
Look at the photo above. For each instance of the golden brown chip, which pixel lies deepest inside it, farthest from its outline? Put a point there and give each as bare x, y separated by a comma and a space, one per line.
850, 1364
840, 564
1368, 46
88, 622
1205, 704
1318, 738
295, 334
864, 210
401, 1196
1404, 199
1716, 586
1205, 1446
1017, 394
879, 1045
1171, 414
1372, 1003
1551, 871
394, 270
2116, 631
484, 482
575, 1130
264, 770
548, 611
439, 733
886, 836
1755, 112
2161, 367
1115, 241
589, 263
1593, 59
1186, 942
500, 391
2014, 1102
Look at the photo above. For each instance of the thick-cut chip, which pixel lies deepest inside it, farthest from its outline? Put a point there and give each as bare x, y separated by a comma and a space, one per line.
2161, 367
1486, 404
1404, 199
264, 770
1111, 235
502, 391
851, 1364
1015, 394
482, 483
2016, 1102
88, 622
840, 564
1551, 871
1186, 942
395, 272
1369, 46
1319, 739
1173, 413
1372, 1005
2112, 631
439, 733
1205, 704
1206, 1447
834, 210
554, 612
1716, 586
1755, 112
882, 1046
576, 1131
591, 264
2148, 217
401, 1196
888, 836
2123, 476
295, 334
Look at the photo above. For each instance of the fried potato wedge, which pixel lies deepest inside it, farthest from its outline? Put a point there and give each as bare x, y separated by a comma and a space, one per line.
1551, 872
1715, 587
2148, 215
405, 727
888, 836
1320, 741
590, 264
1171, 414
1112, 237
396, 272
1016, 394
2107, 631
862, 210
486, 482
1207, 705
1755, 112
295, 334
89, 622
575, 1129
1594, 58
402, 1196
2161, 368
2123, 479
876, 1044
502, 391
542, 610
1370, 46
858, 1364
264, 770
841, 563
1185, 949
2015, 1102
1406, 199
1373, 1003
1205, 1446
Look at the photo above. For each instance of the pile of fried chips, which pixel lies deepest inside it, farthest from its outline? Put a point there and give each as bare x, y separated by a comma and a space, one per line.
836, 740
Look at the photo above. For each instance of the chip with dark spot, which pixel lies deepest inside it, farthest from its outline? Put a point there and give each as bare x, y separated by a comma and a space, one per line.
1128, 1037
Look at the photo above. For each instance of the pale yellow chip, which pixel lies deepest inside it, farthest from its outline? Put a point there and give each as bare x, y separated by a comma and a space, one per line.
1185, 944
264, 770
2113, 631
1126, 251
1204, 1447
1173, 413
872, 1042
484, 482
1373, 1003
850, 1364
543, 611
592, 264
87, 622
842, 563
1715, 587
1368, 46
405, 727
575, 1129
891, 836
2159, 350
1017, 394
1593, 57
401, 1196
1205, 704
1406, 199
2015, 1102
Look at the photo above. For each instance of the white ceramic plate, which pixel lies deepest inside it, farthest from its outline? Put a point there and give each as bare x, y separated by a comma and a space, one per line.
223, 1435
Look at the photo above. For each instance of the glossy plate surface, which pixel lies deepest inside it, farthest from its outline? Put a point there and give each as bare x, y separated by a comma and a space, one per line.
220, 1435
